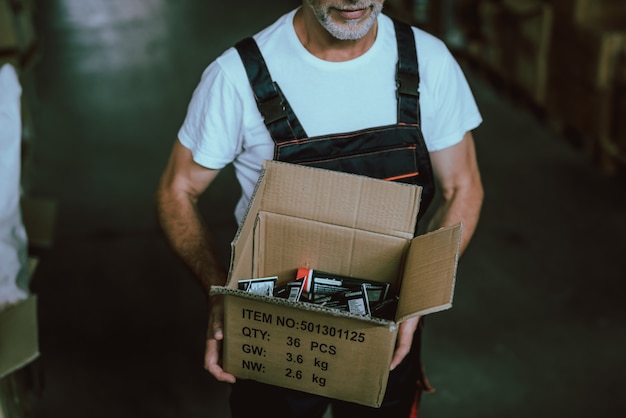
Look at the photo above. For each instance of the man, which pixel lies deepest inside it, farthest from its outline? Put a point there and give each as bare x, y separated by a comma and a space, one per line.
326, 76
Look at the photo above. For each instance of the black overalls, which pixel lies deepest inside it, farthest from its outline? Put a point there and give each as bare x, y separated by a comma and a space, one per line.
394, 152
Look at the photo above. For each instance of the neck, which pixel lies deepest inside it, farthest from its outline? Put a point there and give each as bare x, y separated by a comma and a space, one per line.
319, 42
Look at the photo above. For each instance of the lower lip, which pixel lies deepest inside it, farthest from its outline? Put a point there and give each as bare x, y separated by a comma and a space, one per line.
352, 14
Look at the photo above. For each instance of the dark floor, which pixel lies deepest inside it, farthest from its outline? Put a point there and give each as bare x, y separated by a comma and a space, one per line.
537, 328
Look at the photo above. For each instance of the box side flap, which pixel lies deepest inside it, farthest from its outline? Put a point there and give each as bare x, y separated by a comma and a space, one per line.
241, 246
429, 273
342, 199
19, 343
286, 243
242, 263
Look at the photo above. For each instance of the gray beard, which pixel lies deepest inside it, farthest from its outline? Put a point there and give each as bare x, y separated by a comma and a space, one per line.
352, 30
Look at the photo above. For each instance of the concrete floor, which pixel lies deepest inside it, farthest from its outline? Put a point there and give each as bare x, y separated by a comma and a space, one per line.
537, 327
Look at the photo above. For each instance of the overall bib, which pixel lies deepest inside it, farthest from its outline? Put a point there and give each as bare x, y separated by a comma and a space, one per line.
394, 152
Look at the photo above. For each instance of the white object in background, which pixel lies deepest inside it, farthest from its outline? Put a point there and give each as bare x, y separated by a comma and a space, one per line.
13, 239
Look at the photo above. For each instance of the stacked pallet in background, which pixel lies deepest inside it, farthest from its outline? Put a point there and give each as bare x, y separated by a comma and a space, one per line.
507, 38
565, 58
516, 42
587, 76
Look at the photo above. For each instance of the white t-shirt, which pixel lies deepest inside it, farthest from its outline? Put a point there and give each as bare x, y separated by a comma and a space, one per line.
223, 123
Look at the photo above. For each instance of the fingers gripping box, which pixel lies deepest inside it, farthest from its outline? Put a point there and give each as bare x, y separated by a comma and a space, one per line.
343, 223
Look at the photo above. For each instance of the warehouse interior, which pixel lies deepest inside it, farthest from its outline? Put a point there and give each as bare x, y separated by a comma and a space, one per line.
537, 323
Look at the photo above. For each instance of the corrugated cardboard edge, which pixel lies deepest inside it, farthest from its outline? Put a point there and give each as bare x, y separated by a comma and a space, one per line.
242, 225
221, 290
442, 305
18, 336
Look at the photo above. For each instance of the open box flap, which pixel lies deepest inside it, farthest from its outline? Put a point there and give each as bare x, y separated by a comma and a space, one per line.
429, 273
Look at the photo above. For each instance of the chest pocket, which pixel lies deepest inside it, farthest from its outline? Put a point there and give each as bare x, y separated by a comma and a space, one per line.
389, 152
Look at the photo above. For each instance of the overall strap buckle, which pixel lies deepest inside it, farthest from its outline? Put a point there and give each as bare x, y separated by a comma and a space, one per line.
272, 108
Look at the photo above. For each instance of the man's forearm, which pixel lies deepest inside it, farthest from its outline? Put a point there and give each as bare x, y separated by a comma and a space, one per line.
460, 206
457, 170
190, 238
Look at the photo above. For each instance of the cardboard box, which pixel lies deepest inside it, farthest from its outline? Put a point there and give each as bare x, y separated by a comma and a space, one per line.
19, 336
19, 347
349, 225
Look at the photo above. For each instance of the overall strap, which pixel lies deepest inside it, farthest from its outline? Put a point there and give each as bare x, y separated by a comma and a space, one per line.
407, 75
275, 109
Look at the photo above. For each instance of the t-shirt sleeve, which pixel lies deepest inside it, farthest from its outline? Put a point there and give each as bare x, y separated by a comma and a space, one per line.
212, 126
454, 110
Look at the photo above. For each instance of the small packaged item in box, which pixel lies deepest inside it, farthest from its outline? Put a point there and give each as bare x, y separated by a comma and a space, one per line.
386, 309
291, 291
347, 293
305, 274
324, 284
357, 302
260, 286
376, 293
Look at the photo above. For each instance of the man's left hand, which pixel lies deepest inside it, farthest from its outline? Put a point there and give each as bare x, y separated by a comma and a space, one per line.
404, 341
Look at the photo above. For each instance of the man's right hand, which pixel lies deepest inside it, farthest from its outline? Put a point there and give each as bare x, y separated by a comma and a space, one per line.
215, 335
180, 187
